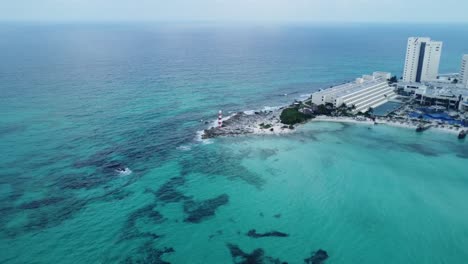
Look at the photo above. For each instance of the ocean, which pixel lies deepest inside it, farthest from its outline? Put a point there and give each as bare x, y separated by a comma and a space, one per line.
81, 101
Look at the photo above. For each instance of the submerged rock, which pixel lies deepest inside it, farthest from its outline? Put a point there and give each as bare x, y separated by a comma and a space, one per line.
318, 257
148, 254
253, 233
256, 257
198, 211
41, 203
130, 229
168, 192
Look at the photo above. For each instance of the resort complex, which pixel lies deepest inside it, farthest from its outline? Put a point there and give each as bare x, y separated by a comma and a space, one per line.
422, 98
421, 87
422, 59
464, 71
369, 91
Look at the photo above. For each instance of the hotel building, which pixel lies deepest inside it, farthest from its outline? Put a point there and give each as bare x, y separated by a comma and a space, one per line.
422, 60
368, 91
449, 98
464, 71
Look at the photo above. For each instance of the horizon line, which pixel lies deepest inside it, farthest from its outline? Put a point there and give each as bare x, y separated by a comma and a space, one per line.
239, 22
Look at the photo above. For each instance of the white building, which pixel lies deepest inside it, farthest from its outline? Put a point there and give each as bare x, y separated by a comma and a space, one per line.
464, 71
422, 59
447, 97
368, 91
464, 104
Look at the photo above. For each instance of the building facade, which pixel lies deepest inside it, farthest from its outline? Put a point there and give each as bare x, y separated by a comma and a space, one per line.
464, 104
464, 71
367, 91
422, 59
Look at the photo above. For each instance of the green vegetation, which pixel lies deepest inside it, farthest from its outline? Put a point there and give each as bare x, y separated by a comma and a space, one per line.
394, 79
263, 126
291, 116
344, 110
369, 113
323, 110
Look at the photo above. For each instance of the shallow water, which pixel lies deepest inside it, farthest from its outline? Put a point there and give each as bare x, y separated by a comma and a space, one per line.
80, 102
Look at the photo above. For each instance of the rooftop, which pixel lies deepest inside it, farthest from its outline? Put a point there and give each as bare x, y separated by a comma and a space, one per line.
354, 87
445, 92
361, 83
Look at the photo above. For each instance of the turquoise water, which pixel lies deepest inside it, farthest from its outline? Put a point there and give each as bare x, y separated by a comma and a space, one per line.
79, 101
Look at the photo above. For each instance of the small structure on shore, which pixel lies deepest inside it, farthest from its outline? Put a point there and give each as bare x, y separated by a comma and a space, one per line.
422, 127
220, 119
462, 134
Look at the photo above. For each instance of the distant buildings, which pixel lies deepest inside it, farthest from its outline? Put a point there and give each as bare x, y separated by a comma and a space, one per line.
448, 98
368, 91
464, 104
443, 95
464, 71
422, 59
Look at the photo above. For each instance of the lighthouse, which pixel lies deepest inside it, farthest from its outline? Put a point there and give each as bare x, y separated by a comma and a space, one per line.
220, 119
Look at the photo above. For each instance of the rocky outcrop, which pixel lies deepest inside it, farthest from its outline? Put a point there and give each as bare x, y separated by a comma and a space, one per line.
242, 124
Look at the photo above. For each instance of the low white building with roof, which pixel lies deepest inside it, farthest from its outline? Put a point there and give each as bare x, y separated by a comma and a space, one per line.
364, 93
448, 97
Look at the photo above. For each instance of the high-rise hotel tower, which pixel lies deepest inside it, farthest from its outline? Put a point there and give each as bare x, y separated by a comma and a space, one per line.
422, 59
464, 71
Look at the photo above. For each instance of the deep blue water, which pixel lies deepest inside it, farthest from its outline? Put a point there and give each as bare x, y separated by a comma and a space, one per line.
78, 101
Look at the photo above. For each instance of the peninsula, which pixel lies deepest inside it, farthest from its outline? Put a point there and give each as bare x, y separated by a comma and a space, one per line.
370, 99
423, 99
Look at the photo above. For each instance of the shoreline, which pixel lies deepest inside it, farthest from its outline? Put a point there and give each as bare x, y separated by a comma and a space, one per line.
446, 129
268, 123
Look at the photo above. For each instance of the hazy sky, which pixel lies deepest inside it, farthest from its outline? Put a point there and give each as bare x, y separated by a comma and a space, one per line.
237, 10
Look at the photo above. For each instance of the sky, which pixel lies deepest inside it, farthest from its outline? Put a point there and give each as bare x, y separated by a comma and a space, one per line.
384, 11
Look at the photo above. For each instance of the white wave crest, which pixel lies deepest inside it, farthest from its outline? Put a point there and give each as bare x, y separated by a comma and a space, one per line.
184, 147
125, 172
198, 138
270, 108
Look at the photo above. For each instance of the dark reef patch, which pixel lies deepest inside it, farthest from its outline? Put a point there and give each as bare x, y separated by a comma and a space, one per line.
7, 129
317, 257
51, 216
256, 257
144, 212
222, 163
115, 194
253, 233
82, 181
277, 216
267, 153
130, 230
148, 254
462, 152
421, 149
41, 203
218, 233
114, 167
168, 192
50, 211
198, 211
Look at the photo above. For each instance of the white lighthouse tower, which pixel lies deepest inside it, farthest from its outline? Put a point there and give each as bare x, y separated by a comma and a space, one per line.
220, 119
